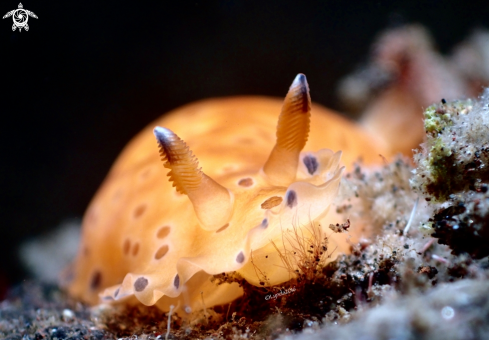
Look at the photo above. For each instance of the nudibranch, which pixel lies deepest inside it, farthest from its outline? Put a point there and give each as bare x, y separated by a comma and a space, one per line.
161, 238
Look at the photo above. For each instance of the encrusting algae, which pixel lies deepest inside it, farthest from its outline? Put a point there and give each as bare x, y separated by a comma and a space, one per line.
452, 173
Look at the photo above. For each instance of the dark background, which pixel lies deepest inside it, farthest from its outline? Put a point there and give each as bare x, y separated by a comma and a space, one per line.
87, 76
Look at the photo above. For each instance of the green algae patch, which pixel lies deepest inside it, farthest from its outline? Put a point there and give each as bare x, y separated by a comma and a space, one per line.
436, 119
445, 154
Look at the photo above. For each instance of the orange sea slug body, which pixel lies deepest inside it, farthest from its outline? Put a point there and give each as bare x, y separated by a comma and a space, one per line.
161, 238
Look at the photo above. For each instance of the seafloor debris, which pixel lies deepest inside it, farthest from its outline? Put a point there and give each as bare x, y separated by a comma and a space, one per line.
38, 311
464, 226
451, 311
455, 154
453, 174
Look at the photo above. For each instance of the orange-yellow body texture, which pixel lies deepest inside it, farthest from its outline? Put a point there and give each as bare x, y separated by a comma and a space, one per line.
143, 238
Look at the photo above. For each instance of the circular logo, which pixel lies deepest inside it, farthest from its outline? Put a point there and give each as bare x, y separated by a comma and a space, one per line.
20, 17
